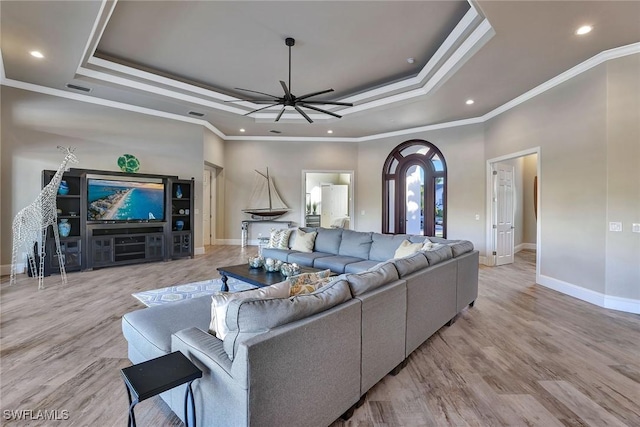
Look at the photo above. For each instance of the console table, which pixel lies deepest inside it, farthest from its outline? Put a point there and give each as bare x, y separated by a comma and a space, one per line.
248, 222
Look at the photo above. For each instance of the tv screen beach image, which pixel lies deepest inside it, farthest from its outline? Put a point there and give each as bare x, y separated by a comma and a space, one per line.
124, 200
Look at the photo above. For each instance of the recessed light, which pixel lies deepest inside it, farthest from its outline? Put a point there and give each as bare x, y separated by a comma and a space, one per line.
329, 131
469, 101
241, 130
36, 54
584, 30
411, 60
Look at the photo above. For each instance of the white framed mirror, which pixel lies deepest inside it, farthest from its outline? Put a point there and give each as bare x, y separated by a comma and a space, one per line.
327, 198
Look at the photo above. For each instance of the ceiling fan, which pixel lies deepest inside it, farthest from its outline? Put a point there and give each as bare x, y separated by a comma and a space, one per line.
289, 99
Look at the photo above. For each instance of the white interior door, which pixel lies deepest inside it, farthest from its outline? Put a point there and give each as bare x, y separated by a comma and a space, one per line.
334, 204
206, 207
503, 180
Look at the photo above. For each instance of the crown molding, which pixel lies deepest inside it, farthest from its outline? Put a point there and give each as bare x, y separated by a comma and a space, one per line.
594, 61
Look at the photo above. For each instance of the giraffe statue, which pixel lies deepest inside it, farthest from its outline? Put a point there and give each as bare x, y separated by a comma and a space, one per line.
31, 223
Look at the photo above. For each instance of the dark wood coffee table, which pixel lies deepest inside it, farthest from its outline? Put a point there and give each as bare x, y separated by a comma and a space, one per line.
256, 276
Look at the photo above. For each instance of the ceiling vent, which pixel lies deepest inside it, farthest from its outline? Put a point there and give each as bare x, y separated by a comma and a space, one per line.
80, 88
195, 113
274, 131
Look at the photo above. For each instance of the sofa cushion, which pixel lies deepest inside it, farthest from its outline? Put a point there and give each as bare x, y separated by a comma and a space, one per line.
306, 259
407, 248
279, 254
220, 301
360, 283
304, 241
248, 318
461, 247
335, 263
438, 255
358, 267
356, 244
384, 246
280, 238
328, 240
411, 263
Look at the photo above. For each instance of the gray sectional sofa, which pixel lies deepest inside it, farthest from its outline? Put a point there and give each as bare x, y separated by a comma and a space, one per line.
307, 360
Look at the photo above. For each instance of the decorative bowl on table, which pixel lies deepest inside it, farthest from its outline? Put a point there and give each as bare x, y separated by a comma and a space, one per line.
288, 270
256, 261
272, 265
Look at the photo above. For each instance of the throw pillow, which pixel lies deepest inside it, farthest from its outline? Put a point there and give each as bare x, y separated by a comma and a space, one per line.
430, 246
300, 284
304, 241
221, 300
279, 239
407, 248
309, 288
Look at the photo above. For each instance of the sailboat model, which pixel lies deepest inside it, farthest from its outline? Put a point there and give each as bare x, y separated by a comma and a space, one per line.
265, 203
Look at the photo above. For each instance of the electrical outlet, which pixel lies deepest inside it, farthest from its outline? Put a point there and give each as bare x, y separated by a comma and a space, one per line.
635, 228
615, 226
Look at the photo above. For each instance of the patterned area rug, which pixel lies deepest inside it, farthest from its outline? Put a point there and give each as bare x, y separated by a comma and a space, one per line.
190, 290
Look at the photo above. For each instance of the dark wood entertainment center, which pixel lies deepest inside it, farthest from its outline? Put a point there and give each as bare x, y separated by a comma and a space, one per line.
105, 243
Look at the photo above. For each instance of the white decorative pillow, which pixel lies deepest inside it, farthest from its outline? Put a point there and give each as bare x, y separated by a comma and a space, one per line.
430, 246
407, 248
220, 301
279, 239
304, 241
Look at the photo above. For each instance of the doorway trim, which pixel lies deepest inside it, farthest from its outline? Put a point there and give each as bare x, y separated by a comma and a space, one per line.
489, 239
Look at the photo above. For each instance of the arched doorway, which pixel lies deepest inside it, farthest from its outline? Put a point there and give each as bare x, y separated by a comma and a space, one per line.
414, 190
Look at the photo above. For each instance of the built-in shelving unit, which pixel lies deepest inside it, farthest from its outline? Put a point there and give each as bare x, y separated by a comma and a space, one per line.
96, 244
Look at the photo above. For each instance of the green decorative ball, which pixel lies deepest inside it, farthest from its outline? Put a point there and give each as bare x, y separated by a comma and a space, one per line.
128, 163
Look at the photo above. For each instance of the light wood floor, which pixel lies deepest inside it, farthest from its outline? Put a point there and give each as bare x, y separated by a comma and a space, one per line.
523, 356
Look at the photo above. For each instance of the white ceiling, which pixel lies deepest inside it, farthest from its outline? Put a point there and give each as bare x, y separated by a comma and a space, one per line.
169, 58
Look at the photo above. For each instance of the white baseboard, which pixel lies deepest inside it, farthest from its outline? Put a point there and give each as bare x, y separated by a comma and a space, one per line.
199, 251
482, 260
525, 246
236, 242
596, 298
5, 270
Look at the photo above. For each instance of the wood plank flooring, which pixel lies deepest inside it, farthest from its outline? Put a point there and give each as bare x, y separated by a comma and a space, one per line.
523, 356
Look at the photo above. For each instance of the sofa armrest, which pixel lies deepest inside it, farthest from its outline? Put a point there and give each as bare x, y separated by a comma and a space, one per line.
205, 350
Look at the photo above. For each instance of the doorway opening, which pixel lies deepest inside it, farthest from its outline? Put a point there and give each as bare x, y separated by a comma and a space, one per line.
513, 189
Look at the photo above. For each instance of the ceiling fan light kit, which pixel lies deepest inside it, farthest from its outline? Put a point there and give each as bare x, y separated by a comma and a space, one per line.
290, 100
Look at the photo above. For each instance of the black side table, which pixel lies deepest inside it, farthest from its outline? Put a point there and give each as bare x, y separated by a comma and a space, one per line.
155, 376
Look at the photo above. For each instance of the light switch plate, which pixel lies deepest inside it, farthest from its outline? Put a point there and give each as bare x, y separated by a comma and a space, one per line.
615, 226
635, 228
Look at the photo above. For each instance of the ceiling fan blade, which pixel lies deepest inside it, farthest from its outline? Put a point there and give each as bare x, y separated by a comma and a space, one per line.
255, 91
346, 104
321, 110
254, 100
299, 110
286, 90
309, 95
260, 109
280, 113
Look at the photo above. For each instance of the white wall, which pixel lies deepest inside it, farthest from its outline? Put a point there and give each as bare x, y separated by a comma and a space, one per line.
461, 148
34, 124
587, 131
285, 161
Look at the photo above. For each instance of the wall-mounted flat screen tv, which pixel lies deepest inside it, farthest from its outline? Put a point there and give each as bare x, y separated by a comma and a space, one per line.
125, 199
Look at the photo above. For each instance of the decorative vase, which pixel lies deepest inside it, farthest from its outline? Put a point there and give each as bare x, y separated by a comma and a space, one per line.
64, 227
179, 225
178, 192
63, 189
